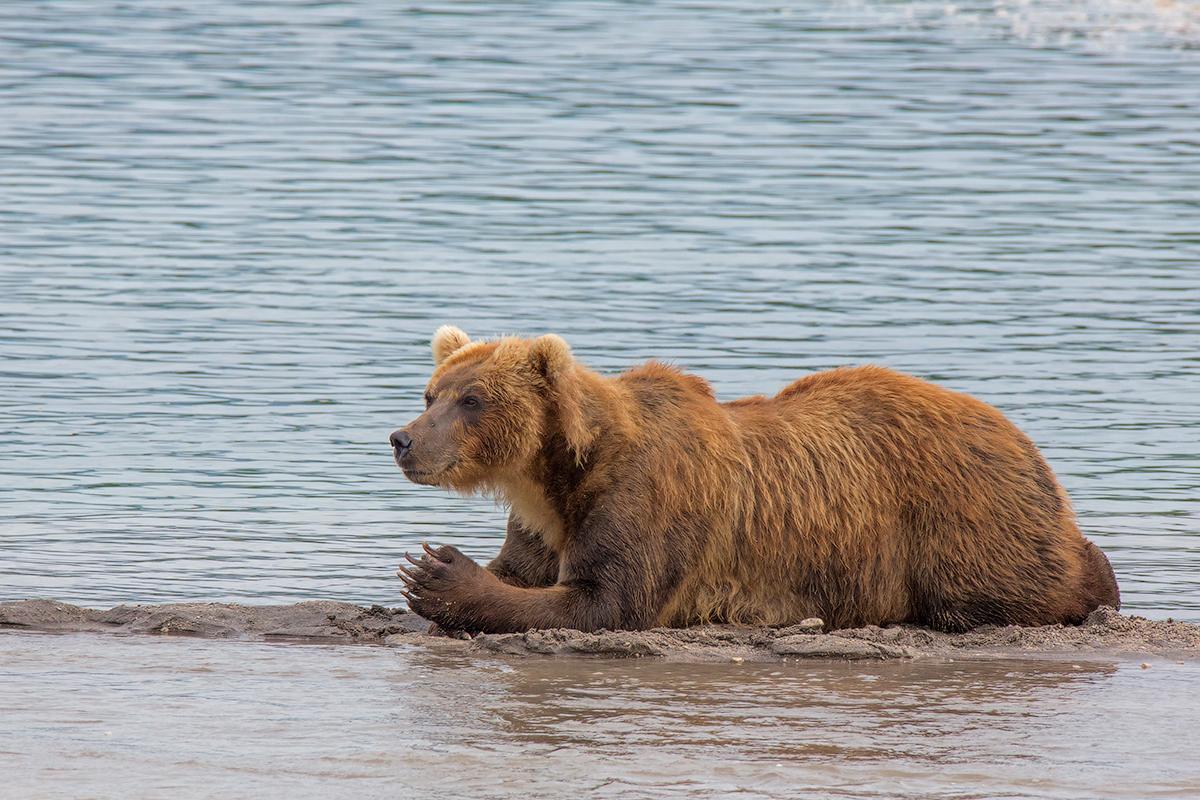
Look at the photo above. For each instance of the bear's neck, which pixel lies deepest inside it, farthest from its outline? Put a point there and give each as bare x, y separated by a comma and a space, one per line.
547, 498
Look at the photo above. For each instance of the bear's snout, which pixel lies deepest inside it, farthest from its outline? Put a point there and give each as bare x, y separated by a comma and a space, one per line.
424, 464
401, 441
401, 447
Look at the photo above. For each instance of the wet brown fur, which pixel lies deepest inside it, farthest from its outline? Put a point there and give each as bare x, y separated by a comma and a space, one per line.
858, 495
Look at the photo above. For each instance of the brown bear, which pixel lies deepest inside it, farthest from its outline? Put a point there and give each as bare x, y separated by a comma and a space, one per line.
858, 495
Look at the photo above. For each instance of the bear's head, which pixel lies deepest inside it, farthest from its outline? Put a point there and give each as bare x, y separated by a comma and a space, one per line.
490, 408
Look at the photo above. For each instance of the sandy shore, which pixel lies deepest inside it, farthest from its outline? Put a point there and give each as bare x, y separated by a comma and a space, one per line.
1105, 633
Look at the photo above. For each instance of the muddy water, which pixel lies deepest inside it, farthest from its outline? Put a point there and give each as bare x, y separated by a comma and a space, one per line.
99, 716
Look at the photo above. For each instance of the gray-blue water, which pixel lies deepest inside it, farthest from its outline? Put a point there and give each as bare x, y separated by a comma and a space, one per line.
227, 231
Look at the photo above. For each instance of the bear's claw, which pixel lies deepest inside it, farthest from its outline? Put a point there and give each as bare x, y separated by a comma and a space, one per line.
437, 581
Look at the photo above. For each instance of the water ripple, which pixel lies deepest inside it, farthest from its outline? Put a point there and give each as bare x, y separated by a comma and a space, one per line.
229, 230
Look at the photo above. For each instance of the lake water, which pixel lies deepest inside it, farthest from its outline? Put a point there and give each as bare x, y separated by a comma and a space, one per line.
228, 231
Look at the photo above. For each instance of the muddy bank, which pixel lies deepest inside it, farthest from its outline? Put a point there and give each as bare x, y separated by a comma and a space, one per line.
319, 620
1106, 632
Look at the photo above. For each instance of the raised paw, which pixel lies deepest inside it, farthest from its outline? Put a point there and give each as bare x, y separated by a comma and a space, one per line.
441, 584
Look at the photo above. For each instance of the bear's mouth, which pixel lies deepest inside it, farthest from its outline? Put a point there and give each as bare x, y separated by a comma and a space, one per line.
423, 476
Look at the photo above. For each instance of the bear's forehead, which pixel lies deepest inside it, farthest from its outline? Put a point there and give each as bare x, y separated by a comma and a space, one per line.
455, 381
494, 380
470, 376
498, 367
470, 353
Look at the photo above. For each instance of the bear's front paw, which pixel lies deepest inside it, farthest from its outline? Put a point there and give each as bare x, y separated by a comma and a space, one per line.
440, 586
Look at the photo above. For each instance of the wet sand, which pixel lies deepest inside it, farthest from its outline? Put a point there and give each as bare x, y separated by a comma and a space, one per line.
1105, 633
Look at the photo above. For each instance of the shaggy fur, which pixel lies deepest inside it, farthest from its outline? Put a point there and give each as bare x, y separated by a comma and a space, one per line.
859, 495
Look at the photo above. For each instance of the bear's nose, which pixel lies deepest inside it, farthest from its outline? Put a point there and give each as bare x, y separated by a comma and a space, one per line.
401, 441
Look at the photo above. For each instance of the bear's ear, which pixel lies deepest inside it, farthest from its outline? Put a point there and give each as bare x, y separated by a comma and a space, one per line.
446, 340
552, 358
551, 355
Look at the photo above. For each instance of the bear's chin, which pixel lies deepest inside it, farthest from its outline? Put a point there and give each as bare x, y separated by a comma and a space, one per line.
427, 477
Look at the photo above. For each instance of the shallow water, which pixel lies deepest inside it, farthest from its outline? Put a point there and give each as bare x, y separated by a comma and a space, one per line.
151, 717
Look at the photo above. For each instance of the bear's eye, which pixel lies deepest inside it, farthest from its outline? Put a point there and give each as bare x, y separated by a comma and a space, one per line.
428, 399
470, 401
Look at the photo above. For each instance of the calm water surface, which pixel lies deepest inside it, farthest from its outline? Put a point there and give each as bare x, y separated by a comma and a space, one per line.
150, 718
228, 231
